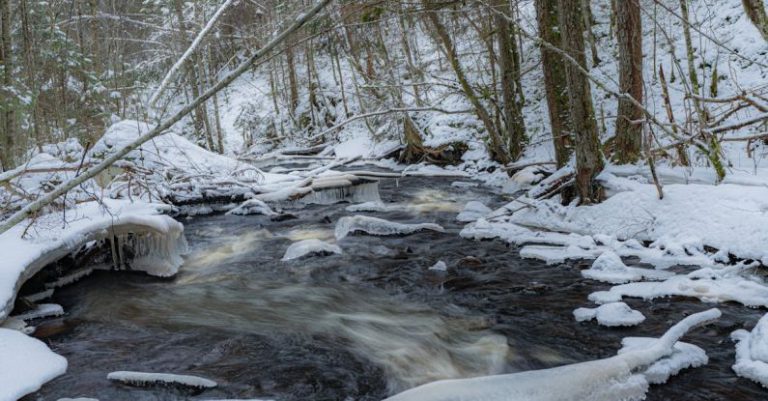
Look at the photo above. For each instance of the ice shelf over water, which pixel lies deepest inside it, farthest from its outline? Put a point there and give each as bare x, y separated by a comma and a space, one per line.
375, 226
310, 247
145, 378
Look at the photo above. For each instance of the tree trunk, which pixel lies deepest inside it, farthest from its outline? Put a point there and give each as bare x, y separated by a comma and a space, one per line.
555, 84
293, 82
514, 125
496, 148
589, 161
755, 10
8, 136
629, 131
191, 69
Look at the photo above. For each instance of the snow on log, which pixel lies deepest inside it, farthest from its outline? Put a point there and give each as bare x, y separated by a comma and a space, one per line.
752, 352
42, 310
375, 226
310, 247
600, 380
156, 242
147, 379
25, 365
683, 356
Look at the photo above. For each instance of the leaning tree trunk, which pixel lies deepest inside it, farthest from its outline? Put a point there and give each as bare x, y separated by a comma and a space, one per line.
755, 10
514, 125
589, 161
629, 129
555, 84
496, 148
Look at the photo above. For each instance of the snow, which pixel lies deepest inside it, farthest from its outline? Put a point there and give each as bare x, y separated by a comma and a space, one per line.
310, 247
610, 315
473, 210
42, 310
752, 352
440, 266
158, 244
25, 365
144, 378
373, 206
683, 356
609, 379
253, 206
609, 268
708, 285
375, 226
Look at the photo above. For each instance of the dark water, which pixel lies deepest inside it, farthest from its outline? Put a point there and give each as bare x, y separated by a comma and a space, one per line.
356, 326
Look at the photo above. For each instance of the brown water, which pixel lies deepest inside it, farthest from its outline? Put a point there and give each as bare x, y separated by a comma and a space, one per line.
356, 326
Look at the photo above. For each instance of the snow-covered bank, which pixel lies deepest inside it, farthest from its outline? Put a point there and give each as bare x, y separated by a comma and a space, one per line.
25, 365
157, 241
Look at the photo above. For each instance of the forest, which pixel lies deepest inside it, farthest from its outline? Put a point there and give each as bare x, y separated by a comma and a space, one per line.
429, 200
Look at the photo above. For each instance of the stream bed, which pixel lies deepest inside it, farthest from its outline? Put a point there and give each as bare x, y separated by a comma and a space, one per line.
357, 326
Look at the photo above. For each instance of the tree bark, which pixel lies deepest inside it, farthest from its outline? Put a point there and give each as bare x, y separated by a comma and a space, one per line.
589, 161
555, 84
514, 125
8, 136
629, 130
755, 10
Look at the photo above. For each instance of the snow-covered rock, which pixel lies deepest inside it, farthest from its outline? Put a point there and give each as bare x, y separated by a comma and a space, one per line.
610, 315
25, 365
752, 352
375, 226
440, 266
683, 356
145, 378
310, 247
372, 206
609, 268
253, 206
473, 211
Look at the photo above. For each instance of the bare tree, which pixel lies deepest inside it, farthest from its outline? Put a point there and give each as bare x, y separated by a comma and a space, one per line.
755, 10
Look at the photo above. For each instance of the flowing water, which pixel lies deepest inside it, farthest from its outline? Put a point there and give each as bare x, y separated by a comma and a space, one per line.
357, 326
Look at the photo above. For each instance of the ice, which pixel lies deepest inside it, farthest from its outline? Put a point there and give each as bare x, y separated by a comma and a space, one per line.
25, 365
473, 211
13, 323
610, 315
144, 379
375, 226
609, 268
752, 352
683, 356
253, 206
155, 241
440, 266
609, 379
77, 399
346, 188
42, 310
310, 247
373, 206
716, 288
